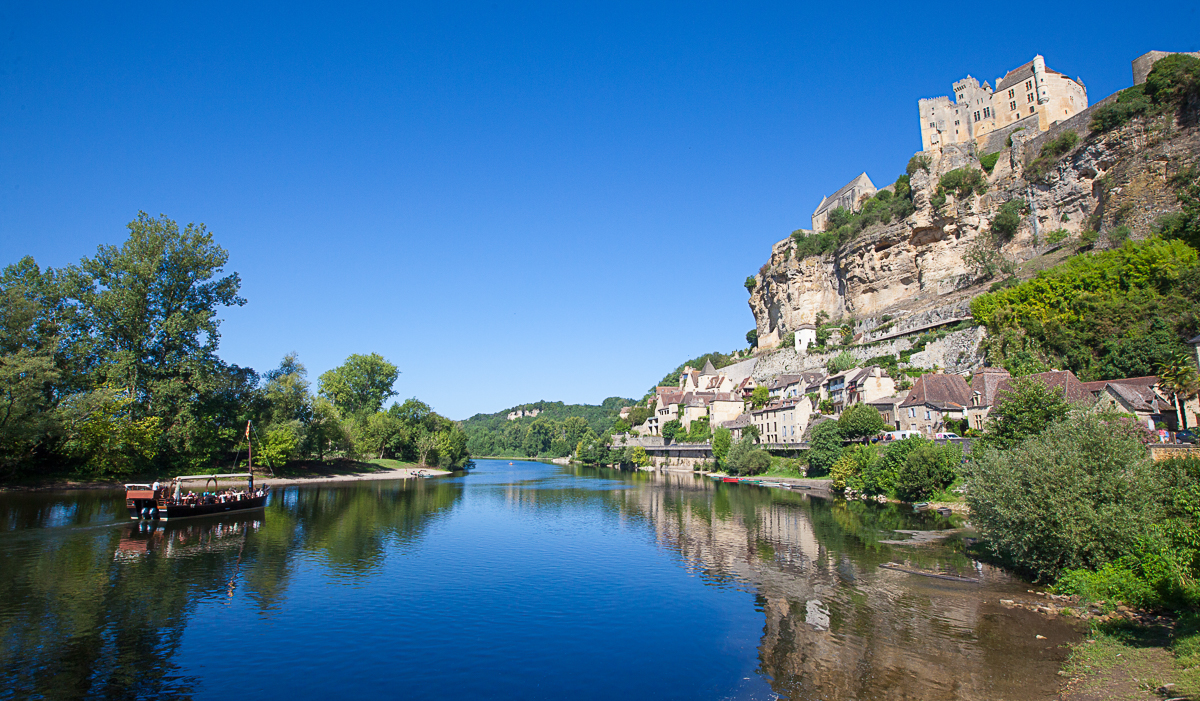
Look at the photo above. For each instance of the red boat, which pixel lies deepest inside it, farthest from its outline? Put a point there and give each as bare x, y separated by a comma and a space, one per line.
730, 479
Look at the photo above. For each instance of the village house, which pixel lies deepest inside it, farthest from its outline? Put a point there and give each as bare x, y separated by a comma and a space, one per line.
736, 427
857, 386
1138, 396
934, 399
889, 409
705, 393
783, 421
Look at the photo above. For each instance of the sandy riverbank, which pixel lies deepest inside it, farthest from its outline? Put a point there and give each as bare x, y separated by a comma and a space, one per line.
397, 474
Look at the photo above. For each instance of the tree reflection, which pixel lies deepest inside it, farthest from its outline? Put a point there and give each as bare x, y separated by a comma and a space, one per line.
100, 611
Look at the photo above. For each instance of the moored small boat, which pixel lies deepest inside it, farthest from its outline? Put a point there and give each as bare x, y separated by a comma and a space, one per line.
730, 479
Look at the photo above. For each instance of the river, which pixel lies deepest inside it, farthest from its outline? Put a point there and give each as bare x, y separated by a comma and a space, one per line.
519, 581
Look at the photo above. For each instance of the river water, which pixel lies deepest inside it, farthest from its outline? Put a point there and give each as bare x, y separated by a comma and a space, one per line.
519, 581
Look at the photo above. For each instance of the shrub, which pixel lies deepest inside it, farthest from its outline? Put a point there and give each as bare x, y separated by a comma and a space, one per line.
1173, 82
1004, 284
1088, 238
751, 283
989, 160
826, 406
1050, 153
963, 181
848, 469
755, 462
928, 469
752, 338
672, 429
882, 476
841, 362
1131, 102
825, 445
1119, 235
917, 162
1057, 236
1008, 219
1077, 495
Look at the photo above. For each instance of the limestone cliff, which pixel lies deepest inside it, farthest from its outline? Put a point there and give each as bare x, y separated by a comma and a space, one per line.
916, 270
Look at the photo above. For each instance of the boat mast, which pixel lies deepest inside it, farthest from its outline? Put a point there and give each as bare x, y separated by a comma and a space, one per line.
249, 455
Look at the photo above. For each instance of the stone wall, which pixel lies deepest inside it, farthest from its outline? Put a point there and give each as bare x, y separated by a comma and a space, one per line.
998, 140
957, 352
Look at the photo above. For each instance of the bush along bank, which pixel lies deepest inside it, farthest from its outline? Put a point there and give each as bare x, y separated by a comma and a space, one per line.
1072, 500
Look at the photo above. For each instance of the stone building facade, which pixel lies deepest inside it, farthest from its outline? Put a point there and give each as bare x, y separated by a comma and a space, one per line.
847, 197
976, 110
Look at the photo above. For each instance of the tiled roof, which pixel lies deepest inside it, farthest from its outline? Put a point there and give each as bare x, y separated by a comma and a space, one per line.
986, 382
739, 422
1139, 397
1064, 380
939, 390
1016, 75
708, 368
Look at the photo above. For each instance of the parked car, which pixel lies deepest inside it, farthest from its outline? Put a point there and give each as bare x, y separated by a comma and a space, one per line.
899, 435
945, 436
1185, 436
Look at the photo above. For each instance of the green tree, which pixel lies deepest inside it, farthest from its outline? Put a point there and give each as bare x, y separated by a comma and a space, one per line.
752, 334
825, 445
287, 391
427, 444
538, 437
106, 436
672, 429
1026, 410
1178, 377
360, 385
721, 443
883, 476
149, 312
760, 396
378, 432
324, 428
860, 421
848, 469
639, 456
574, 429
280, 444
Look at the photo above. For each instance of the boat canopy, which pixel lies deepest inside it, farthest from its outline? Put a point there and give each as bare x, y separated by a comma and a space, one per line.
209, 477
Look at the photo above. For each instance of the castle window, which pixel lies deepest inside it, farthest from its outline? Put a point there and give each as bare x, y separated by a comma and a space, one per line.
1029, 97
1029, 85
1012, 92
976, 115
1012, 106
956, 123
932, 125
987, 112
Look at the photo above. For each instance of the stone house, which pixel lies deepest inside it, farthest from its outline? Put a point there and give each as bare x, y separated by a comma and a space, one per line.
736, 426
933, 399
1031, 92
984, 384
785, 386
847, 197
1135, 395
783, 421
889, 409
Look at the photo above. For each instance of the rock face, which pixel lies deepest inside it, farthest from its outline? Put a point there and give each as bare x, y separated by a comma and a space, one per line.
918, 268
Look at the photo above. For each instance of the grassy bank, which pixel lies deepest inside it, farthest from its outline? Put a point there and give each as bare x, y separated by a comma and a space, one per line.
1124, 659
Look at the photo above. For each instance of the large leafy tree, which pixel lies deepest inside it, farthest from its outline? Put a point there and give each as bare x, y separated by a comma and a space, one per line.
360, 385
1178, 377
860, 421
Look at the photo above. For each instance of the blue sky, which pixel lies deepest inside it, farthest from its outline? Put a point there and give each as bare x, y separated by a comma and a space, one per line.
509, 202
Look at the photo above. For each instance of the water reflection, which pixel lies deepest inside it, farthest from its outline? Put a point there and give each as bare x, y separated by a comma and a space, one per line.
503, 562
838, 626
90, 610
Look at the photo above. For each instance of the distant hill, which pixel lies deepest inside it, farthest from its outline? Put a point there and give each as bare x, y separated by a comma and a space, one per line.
495, 434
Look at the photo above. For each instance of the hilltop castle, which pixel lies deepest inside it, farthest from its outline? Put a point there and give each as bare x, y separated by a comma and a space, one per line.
1031, 96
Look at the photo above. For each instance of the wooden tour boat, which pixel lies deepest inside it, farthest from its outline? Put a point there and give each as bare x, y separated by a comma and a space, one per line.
169, 502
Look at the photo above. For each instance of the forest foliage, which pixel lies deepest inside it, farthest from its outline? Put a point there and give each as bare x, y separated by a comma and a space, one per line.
1118, 313
110, 367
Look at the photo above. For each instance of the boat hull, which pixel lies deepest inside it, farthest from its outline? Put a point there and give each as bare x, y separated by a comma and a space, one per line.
175, 512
